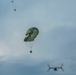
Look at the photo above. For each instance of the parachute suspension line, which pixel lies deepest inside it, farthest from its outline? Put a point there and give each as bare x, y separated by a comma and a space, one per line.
13, 5
31, 46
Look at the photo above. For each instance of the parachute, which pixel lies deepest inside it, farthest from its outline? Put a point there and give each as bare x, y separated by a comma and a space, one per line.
31, 35
13, 5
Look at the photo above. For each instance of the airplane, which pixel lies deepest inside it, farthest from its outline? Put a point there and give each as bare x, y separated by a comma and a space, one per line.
55, 68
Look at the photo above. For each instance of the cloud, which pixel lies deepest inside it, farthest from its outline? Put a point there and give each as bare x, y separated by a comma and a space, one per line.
54, 44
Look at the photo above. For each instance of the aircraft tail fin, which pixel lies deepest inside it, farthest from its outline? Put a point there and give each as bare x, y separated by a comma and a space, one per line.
49, 67
61, 67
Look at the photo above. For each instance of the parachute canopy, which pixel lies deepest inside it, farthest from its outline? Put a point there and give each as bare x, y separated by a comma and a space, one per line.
31, 34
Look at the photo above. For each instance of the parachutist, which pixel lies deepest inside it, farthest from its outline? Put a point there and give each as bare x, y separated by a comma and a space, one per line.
13, 5
12, 1
30, 51
14, 9
31, 34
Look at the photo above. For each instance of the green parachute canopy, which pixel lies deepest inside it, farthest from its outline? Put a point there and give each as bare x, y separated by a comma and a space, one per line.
31, 34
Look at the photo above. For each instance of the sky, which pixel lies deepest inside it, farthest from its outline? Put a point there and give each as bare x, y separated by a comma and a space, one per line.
55, 44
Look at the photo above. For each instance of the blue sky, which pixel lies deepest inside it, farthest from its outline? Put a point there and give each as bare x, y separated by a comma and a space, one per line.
55, 44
